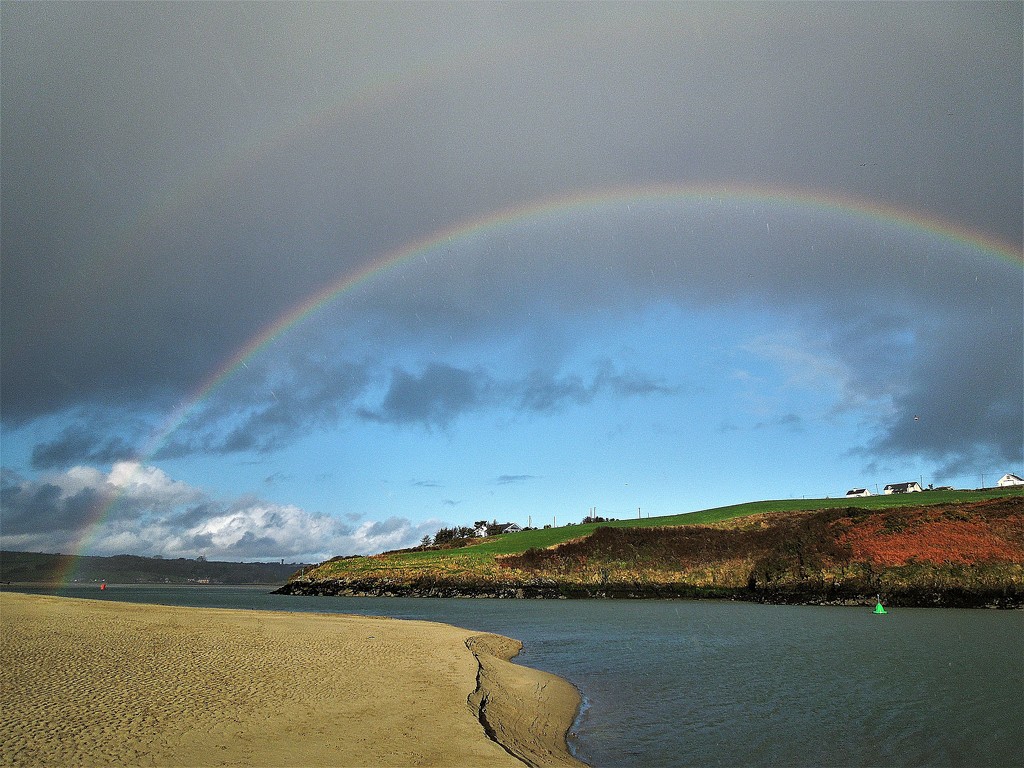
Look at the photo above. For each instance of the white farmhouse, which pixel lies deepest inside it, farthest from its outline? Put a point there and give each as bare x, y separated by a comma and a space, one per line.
1008, 480
494, 529
892, 488
857, 492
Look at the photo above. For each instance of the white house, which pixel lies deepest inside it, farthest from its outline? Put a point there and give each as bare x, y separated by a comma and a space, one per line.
902, 488
857, 492
496, 529
1009, 480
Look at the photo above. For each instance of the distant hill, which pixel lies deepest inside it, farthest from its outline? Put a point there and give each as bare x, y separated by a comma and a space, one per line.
131, 569
932, 548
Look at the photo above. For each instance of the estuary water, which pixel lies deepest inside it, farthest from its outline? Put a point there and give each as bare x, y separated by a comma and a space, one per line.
708, 683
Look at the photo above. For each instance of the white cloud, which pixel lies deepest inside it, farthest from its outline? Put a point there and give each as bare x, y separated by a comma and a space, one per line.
77, 479
150, 485
141, 509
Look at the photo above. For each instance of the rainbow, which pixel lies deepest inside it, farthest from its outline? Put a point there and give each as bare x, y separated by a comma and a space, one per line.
553, 207
557, 206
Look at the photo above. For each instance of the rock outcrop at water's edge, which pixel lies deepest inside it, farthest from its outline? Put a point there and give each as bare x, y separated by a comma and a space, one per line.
962, 555
370, 587
795, 595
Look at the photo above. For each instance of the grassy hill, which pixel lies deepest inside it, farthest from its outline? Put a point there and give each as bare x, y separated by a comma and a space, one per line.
955, 547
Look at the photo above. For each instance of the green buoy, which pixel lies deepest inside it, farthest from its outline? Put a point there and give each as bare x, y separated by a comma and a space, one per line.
878, 606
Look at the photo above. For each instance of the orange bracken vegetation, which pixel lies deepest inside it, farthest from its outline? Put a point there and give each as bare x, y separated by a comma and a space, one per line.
931, 536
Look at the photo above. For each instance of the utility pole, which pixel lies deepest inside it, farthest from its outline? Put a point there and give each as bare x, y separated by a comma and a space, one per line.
638, 513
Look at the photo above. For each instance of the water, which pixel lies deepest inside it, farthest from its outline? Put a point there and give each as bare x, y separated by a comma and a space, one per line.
705, 683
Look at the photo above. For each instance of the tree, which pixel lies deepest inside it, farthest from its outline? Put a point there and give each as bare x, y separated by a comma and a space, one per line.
456, 536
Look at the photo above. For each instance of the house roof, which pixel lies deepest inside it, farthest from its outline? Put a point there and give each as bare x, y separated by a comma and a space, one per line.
499, 527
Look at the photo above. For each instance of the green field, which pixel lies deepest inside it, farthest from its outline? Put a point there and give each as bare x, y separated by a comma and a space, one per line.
479, 558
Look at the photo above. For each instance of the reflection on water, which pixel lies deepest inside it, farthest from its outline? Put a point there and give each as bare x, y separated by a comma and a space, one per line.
678, 683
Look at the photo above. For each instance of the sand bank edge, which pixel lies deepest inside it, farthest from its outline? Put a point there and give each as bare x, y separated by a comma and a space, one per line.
526, 711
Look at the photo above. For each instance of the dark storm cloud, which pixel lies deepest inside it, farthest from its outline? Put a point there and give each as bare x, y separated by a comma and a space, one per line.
77, 445
956, 386
262, 413
957, 412
541, 392
256, 413
434, 398
175, 177
442, 393
30, 508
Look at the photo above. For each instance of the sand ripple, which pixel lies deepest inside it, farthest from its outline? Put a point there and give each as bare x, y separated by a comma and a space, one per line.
88, 683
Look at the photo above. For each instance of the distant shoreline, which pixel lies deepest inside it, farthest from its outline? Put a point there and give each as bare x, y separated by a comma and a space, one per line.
59, 569
199, 686
170, 585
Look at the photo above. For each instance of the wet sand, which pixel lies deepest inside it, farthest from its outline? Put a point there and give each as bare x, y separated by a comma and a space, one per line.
89, 682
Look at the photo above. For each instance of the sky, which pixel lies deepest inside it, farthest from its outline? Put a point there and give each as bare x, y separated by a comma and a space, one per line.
296, 281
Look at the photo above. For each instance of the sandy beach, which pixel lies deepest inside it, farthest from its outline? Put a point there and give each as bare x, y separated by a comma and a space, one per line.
88, 682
